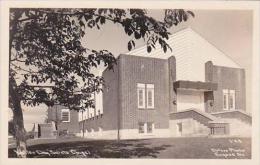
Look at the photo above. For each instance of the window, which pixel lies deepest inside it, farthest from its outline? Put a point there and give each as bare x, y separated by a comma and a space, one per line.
150, 127
141, 95
145, 96
225, 99
146, 128
141, 127
231, 99
65, 115
150, 95
228, 99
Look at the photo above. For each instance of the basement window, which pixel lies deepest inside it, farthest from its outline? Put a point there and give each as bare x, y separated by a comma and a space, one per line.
146, 127
141, 127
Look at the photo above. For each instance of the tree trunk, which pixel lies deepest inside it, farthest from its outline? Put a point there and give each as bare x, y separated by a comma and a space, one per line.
20, 133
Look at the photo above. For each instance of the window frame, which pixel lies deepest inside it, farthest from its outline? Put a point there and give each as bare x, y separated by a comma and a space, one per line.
141, 124
232, 93
225, 99
149, 88
141, 87
145, 126
150, 124
65, 111
227, 94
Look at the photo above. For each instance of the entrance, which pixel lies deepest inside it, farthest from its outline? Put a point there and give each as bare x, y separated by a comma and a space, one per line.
187, 99
179, 129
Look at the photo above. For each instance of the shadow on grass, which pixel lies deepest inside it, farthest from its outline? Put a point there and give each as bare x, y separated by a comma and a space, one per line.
93, 149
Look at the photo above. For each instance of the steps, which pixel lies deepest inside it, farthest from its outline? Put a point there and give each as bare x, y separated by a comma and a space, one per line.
239, 122
193, 122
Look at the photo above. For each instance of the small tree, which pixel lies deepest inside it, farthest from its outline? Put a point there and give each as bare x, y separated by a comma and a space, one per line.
48, 63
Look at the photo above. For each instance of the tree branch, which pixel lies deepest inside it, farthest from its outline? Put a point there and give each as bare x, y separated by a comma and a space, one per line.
18, 67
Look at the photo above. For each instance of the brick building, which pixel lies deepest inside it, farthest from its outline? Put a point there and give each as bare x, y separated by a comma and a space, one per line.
195, 90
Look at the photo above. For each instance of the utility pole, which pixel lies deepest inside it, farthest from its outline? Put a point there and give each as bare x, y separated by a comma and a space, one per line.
83, 124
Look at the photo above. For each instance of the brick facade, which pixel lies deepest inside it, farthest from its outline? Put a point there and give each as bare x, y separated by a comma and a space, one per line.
135, 70
226, 78
54, 114
109, 119
121, 115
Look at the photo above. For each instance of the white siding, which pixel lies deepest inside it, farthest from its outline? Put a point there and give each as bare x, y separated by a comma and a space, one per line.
83, 116
99, 102
191, 52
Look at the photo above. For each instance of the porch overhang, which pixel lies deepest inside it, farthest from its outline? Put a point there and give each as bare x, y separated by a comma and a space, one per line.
195, 85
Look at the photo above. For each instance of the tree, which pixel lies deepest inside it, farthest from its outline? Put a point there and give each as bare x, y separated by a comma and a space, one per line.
48, 63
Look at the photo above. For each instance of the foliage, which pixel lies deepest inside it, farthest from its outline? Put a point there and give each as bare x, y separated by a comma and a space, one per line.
46, 48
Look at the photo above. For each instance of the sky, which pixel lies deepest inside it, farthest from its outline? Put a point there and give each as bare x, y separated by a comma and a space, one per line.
228, 30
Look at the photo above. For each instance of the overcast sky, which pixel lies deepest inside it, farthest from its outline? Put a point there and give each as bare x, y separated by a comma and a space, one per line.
228, 30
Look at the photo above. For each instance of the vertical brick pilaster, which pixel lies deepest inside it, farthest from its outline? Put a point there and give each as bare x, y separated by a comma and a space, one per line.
172, 79
209, 71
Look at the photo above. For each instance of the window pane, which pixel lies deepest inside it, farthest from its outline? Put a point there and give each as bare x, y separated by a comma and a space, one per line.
230, 102
149, 127
150, 98
150, 95
141, 99
141, 127
65, 116
225, 101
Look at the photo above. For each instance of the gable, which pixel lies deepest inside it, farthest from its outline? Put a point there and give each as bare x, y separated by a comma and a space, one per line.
191, 52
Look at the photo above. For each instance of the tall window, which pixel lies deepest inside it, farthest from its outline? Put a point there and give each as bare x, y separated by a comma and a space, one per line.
141, 95
231, 99
145, 94
65, 115
228, 99
150, 95
225, 99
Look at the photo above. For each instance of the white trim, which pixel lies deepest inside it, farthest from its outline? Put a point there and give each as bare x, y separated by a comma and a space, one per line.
232, 94
229, 93
65, 111
145, 127
225, 99
141, 87
150, 88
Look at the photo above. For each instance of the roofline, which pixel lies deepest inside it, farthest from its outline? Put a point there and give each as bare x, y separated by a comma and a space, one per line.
211, 43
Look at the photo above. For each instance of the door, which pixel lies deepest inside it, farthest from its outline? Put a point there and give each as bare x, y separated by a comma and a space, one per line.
179, 129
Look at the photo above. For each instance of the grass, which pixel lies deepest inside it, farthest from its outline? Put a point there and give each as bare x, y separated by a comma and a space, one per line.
169, 148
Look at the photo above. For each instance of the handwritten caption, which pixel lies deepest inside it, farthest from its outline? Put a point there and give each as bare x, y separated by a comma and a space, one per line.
230, 152
52, 152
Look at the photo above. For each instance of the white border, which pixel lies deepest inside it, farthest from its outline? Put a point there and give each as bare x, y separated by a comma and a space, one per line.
212, 5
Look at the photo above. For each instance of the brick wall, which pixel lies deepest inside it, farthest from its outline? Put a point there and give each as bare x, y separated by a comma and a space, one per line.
226, 78
72, 126
107, 121
172, 79
133, 70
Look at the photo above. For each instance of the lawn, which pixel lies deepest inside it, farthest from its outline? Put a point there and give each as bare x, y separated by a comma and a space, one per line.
166, 148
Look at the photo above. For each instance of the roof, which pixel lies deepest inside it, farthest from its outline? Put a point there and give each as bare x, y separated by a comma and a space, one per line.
198, 85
